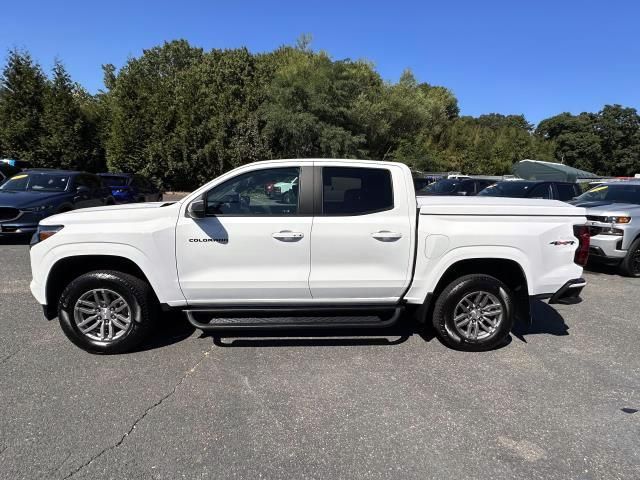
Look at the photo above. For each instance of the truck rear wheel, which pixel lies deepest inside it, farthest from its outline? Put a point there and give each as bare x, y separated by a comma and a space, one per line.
474, 312
106, 311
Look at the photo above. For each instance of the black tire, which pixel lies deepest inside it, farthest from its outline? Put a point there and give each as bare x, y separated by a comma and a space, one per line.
454, 293
138, 295
630, 265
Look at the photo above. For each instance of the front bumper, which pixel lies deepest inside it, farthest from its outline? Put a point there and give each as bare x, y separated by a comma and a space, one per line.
569, 293
25, 223
607, 246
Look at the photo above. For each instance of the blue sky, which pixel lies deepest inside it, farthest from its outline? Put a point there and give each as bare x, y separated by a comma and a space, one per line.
537, 57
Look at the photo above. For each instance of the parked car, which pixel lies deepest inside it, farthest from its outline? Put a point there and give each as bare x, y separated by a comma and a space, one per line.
356, 249
613, 215
454, 186
563, 191
33, 195
131, 188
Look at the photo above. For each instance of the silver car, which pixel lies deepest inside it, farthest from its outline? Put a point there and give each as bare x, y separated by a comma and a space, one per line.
613, 215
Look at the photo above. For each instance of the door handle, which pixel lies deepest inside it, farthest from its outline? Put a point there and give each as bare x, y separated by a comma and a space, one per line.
386, 236
288, 236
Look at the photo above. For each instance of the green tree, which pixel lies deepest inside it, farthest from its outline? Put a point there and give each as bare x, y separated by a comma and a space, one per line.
22, 89
68, 137
607, 142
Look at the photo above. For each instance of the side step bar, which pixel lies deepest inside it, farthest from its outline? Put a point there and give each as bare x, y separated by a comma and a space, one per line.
270, 318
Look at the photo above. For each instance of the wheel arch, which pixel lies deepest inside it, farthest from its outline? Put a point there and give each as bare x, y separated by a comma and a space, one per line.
508, 271
68, 268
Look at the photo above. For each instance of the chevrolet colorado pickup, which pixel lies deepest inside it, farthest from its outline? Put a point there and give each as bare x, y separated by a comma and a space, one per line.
352, 247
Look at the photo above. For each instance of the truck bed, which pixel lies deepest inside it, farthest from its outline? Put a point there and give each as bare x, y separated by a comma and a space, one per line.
499, 206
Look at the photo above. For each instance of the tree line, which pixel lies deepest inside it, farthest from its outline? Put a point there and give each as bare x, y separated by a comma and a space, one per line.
182, 115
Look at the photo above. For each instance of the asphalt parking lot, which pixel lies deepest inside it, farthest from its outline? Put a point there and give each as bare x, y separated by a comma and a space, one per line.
557, 402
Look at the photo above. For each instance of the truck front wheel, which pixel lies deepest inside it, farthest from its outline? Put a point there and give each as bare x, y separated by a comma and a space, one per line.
474, 312
630, 266
106, 311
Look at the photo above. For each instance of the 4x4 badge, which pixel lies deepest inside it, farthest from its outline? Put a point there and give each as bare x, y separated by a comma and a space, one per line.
562, 242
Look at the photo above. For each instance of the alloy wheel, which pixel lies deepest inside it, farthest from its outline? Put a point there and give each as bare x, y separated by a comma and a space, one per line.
478, 315
102, 315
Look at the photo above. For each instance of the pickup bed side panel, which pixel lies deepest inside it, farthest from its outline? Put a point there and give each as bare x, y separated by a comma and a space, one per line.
543, 246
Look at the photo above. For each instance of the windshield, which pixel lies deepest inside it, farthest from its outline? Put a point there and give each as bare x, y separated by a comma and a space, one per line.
114, 181
37, 182
612, 193
442, 186
508, 189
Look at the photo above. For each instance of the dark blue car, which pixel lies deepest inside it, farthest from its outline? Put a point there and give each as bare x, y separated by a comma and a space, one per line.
131, 188
32, 195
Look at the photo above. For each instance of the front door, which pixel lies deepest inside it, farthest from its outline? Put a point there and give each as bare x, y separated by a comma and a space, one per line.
254, 244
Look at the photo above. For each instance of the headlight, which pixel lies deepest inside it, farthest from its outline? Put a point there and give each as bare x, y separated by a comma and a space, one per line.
617, 219
45, 231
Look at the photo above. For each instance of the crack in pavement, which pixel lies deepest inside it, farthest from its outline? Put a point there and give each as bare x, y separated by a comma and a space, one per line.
8, 356
57, 469
141, 417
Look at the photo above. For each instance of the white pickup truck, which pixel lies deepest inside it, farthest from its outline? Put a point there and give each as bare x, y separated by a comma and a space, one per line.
353, 247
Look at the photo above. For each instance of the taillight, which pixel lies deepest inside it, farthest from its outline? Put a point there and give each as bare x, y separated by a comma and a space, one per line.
582, 253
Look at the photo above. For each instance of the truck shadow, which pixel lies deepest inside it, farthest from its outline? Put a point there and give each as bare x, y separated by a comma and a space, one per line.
320, 338
544, 320
600, 268
170, 328
173, 327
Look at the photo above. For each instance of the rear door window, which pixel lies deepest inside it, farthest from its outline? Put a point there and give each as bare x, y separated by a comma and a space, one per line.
541, 191
468, 187
566, 191
356, 191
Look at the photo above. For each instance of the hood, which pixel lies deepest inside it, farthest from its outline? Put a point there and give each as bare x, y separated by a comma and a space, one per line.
132, 212
9, 198
605, 208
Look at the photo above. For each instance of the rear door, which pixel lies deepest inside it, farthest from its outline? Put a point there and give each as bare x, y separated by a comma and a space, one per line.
361, 239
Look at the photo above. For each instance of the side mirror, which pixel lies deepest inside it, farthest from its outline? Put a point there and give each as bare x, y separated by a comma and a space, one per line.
196, 209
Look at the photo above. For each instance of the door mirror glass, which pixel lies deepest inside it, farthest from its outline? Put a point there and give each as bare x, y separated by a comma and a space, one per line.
196, 209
